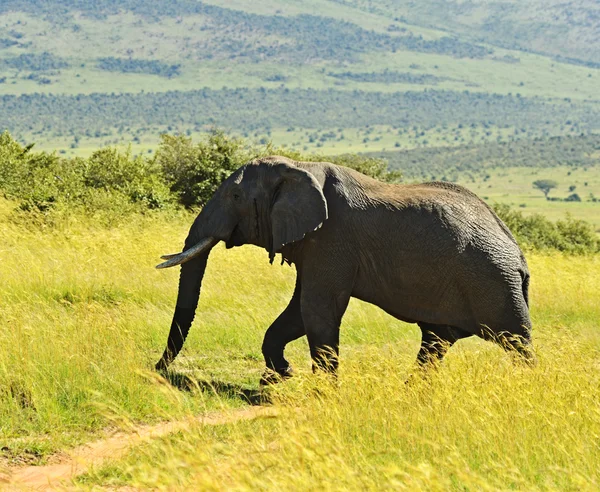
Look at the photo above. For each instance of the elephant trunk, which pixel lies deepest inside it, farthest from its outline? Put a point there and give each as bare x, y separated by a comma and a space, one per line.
190, 281
193, 261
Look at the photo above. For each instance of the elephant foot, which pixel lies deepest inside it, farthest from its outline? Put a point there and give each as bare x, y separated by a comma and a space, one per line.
273, 377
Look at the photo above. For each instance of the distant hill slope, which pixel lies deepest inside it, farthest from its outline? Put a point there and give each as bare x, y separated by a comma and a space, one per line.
87, 66
569, 30
224, 33
444, 163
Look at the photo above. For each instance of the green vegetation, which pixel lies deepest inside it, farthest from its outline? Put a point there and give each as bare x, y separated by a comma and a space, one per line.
108, 181
537, 232
153, 67
563, 29
140, 68
244, 109
34, 63
116, 183
389, 77
88, 316
575, 152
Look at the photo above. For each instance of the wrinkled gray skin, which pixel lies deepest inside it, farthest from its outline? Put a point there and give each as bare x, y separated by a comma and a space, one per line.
432, 254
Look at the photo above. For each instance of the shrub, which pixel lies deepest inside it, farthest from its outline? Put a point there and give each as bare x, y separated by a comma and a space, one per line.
194, 171
181, 171
375, 167
536, 231
138, 179
35, 179
40, 182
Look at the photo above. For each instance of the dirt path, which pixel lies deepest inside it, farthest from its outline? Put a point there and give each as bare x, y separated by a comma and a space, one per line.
79, 460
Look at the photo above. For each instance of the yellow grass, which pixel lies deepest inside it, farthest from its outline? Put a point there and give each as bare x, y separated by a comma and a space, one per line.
84, 316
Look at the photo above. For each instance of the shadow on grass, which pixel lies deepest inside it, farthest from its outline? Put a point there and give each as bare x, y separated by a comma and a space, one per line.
185, 382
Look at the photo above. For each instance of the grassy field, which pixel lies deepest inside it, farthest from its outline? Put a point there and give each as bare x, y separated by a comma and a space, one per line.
86, 316
514, 187
328, 141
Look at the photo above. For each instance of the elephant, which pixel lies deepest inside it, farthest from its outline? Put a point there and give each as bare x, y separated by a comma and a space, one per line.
433, 254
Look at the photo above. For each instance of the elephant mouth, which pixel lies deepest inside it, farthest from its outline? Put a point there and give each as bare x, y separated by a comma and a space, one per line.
236, 239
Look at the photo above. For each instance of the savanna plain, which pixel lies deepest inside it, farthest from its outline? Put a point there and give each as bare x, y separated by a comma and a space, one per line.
85, 316
108, 112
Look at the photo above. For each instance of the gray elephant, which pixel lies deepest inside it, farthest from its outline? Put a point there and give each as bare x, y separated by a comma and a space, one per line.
432, 254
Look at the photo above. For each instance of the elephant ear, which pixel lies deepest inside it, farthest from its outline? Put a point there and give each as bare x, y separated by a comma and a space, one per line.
298, 207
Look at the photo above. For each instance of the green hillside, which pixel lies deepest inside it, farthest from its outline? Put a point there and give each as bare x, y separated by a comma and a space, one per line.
567, 30
318, 75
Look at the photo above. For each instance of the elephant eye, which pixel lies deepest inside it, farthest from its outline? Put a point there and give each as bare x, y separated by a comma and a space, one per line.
236, 197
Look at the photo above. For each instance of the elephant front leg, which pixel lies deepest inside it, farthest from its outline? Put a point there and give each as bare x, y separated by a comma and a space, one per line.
287, 327
322, 314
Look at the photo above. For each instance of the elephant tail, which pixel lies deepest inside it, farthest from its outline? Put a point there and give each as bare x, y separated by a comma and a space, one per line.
525, 285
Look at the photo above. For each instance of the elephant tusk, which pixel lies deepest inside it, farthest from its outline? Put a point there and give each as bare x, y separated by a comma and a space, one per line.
188, 254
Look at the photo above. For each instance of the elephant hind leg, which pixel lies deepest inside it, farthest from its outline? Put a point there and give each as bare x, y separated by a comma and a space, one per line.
511, 330
435, 342
515, 341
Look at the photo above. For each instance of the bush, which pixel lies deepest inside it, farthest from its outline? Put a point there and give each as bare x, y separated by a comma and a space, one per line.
536, 231
194, 171
36, 180
129, 65
138, 179
375, 167
180, 172
43, 182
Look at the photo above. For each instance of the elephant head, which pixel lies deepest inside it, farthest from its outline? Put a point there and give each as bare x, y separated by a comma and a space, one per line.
269, 202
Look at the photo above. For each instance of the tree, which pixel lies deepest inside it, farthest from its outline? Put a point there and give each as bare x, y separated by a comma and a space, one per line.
545, 185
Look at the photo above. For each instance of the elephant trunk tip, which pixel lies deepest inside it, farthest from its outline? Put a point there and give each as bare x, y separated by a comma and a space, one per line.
162, 365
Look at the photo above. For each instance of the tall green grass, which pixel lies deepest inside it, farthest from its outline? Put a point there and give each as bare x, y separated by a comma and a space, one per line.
478, 423
85, 315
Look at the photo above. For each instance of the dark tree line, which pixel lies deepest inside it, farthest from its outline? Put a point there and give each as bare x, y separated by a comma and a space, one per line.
31, 62
7, 43
389, 77
251, 109
132, 65
436, 163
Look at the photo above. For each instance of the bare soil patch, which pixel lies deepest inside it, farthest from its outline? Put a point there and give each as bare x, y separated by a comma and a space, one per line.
79, 460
